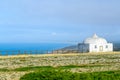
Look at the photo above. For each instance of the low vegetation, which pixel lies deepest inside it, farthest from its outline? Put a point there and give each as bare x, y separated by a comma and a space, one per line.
13, 68
37, 68
34, 68
66, 75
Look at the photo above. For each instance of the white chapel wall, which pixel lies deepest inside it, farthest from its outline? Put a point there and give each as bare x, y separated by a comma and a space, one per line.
101, 47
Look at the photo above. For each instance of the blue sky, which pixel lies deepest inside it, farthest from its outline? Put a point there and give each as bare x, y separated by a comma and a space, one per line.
62, 21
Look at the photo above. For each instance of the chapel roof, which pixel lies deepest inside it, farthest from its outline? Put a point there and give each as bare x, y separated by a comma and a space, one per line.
95, 40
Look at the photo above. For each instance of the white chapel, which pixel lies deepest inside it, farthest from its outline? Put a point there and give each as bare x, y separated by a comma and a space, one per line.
95, 44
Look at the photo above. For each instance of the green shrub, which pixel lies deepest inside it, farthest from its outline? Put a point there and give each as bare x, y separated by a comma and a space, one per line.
50, 75
66, 75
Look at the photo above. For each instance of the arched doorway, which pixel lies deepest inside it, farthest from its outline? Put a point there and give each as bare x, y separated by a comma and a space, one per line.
101, 48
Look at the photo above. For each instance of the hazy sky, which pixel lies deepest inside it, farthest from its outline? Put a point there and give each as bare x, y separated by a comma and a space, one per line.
59, 21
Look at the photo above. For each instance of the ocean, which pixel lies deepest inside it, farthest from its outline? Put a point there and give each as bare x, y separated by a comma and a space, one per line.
13, 48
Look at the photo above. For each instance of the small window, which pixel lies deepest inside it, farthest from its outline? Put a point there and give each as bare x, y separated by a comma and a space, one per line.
106, 46
95, 46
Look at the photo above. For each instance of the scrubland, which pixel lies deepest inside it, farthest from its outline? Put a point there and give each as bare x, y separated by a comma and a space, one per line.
14, 67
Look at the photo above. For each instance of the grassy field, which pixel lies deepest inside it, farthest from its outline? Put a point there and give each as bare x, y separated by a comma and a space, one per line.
14, 67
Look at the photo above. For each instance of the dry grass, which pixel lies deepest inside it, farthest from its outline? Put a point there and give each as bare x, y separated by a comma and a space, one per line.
70, 54
89, 62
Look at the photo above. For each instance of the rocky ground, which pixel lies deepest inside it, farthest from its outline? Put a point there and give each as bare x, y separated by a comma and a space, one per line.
87, 62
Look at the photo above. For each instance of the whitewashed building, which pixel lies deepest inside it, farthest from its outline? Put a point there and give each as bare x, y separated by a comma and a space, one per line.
95, 44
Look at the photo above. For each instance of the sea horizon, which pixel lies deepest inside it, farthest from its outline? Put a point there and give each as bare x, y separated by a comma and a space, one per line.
32, 46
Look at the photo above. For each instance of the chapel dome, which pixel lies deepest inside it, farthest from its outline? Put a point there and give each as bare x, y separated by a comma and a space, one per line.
95, 40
